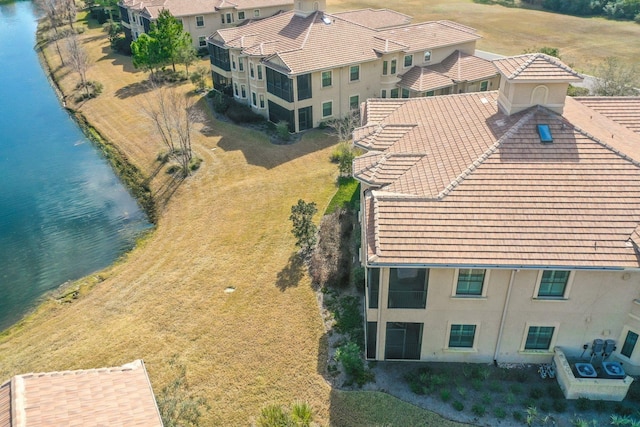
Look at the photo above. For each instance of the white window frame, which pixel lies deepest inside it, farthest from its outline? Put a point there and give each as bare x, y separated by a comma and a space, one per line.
263, 104
427, 56
358, 79
233, 62
202, 39
474, 346
567, 288
243, 91
404, 61
322, 79
202, 17
322, 107
252, 71
357, 106
485, 285
254, 99
241, 12
259, 72
552, 344
256, 13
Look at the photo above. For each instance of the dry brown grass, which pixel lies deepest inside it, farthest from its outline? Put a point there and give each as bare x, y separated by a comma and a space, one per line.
583, 42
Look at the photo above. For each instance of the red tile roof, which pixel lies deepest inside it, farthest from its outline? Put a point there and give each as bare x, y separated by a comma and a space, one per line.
375, 18
535, 67
465, 184
95, 397
178, 8
623, 110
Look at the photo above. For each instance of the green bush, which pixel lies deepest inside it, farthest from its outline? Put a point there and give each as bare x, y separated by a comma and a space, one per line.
445, 395
600, 405
500, 413
242, 113
220, 101
477, 384
273, 416
194, 163
478, 409
536, 393
457, 405
559, 405
554, 391
282, 130
518, 416
350, 356
583, 404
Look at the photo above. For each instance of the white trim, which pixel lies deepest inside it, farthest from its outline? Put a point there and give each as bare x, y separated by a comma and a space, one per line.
567, 288
322, 80
474, 346
485, 284
403, 61
196, 19
552, 344
322, 108
358, 79
636, 350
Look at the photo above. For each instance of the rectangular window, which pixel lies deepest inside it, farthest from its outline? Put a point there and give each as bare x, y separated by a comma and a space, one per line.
233, 62
404, 341
427, 56
259, 67
279, 85
408, 61
256, 13
383, 94
462, 336
241, 15
408, 287
261, 101
374, 286
326, 78
430, 93
484, 86
199, 21
539, 338
243, 89
229, 18
251, 72
385, 66
393, 66
354, 73
553, 284
222, 18
372, 335
304, 86
254, 99
219, 57
240, 64
394, 93
202, 41
354, 102
327, 108
405, 93
470, 281
235, 89
629, 344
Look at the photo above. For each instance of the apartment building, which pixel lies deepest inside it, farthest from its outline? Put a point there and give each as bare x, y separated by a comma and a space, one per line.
501, 226
307, 66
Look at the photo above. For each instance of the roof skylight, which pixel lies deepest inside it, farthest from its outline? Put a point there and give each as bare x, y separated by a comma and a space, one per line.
545, 134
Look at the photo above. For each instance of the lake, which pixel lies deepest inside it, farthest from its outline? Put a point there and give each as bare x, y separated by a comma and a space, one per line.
63, 212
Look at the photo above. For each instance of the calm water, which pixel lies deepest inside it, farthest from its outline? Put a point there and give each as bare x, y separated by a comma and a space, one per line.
63, 213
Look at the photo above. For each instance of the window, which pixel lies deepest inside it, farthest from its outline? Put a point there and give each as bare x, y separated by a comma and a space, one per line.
229, 18
251, 72
393, 66
403, 340
280, 85
539, 338
241, 15
354, 73
235, 88
553, 284
385, 65
408, 288
256, 13
240, 64
304, 86
261, 101
254, 99
259, 67
408, 60
233, 62
394, 93
326, 78
199, 21
462, 336
202, 41
629, 344
470, 281
354, 102
427, 56
327, 108
405, 93
219, 57
430, 93
383, 93
484, 86
372, 334
374, 286
243, 89
222, 18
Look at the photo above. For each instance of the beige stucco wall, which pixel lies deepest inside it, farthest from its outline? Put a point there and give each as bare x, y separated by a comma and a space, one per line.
517, 96
598, 305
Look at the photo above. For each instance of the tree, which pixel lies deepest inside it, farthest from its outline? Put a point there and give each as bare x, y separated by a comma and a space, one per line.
173, 115
616, 79
187, 55
78, 60
146, 54
304, 230
300, 415
343, 127
198, 78
52, 13
171, 37
177, 405
68, 11
551, 51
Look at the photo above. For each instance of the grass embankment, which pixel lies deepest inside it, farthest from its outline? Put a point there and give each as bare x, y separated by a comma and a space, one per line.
584, 42
227, 226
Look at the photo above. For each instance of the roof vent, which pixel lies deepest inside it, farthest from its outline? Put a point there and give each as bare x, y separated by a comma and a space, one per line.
545, 134
326, 20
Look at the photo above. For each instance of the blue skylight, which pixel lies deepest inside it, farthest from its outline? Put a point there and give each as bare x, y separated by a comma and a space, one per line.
545, 133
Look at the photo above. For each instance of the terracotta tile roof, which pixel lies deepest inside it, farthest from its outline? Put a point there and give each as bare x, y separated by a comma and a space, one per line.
375, 18
301, 43
423, 79
95, 397
178, 8
535, 66
487, 192
5, 404
623, 110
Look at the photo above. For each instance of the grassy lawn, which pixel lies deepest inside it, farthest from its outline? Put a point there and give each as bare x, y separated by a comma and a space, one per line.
347, 194
583, 42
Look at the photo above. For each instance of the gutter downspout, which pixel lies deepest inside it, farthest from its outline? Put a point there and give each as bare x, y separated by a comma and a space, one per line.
504, 316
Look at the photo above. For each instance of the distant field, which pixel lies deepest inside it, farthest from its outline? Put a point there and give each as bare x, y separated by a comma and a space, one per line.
583, 42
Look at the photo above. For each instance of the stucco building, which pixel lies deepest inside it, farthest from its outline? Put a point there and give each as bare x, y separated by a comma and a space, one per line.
199, 18
498, 226
307, 66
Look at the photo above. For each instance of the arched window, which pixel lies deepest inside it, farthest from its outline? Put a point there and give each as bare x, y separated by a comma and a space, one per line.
539, 95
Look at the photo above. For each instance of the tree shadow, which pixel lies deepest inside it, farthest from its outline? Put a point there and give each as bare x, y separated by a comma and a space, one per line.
118, 60
292, 273
167, 189
134, 89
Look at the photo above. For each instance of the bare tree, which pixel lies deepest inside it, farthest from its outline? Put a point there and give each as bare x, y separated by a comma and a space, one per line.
173, 115
343, 127
616, 79
68, 11
78, 60
52, 13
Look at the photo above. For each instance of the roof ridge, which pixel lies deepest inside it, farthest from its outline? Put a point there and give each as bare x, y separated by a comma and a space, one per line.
308, 32
492, 149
